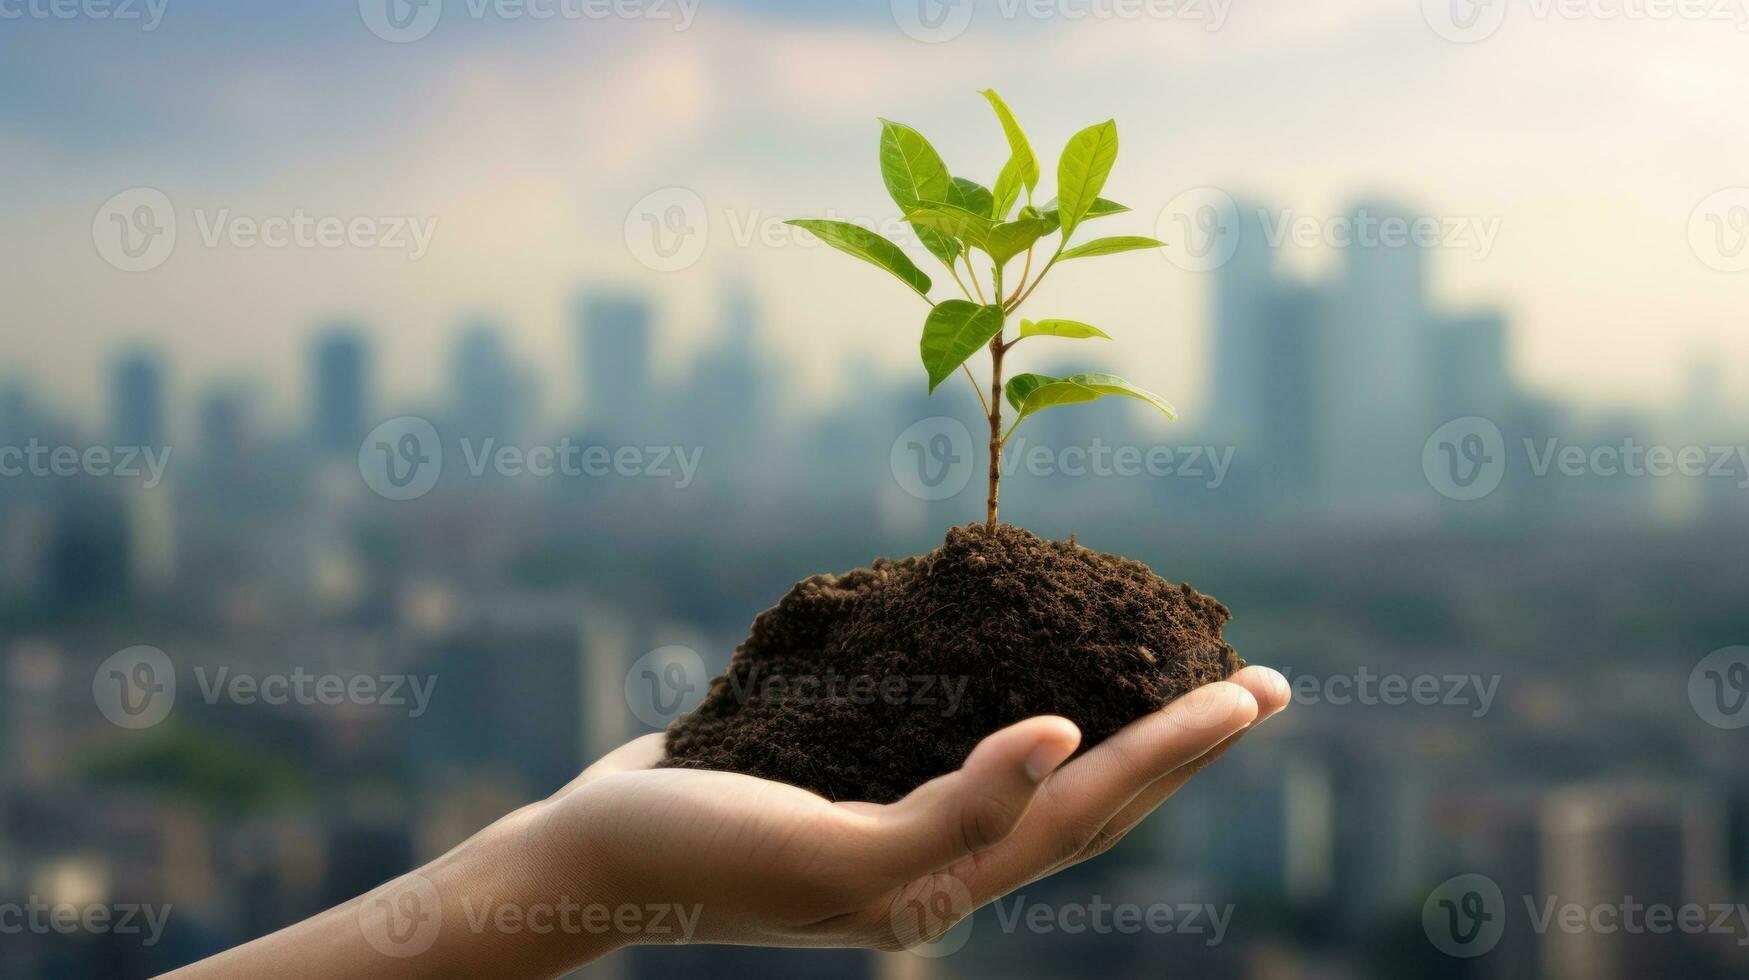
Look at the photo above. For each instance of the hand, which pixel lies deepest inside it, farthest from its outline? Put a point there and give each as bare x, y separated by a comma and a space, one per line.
760, 862
631, 854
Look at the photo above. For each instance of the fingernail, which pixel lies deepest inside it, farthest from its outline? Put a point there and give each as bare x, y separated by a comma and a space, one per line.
1045, 759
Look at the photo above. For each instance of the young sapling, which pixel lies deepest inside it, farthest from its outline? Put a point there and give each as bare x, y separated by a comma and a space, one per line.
956, 220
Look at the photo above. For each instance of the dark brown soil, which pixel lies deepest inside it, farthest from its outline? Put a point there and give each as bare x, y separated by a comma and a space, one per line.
865, 685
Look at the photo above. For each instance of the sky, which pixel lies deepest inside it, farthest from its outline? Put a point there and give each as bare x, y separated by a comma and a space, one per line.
1588, 160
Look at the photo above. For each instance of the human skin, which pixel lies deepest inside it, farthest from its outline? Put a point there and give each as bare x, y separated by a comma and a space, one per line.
721, 857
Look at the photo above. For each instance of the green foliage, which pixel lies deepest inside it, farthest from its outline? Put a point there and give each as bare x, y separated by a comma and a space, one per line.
955, 216
867, 245
1061, 328
954, 331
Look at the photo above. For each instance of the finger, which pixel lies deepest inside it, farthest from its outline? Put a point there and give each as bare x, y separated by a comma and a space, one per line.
975, 807
1268, 688
639, 753
1083, 797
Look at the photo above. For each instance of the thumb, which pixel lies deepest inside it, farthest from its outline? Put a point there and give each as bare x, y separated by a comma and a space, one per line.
979, 804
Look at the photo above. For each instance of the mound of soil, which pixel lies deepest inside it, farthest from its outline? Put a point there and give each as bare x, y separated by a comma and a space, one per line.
865, 685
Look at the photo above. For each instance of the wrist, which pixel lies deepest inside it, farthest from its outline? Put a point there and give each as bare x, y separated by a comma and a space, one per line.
518, 899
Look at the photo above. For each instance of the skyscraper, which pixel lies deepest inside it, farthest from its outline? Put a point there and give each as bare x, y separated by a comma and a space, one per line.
1241, 294
339, 390
490, 399
136, 403
1379, 406
1468, 366
615, 330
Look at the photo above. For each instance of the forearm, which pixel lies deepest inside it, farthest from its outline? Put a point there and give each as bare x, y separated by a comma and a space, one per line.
503, 903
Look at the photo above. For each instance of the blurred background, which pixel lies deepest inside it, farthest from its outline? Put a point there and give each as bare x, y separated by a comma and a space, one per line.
402, 403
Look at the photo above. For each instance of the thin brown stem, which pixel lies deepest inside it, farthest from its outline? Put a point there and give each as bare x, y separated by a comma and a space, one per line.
1025, 271
975, 389
1015, 305
995, 413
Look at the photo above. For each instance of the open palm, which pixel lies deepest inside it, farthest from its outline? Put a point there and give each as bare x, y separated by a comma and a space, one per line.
765, 863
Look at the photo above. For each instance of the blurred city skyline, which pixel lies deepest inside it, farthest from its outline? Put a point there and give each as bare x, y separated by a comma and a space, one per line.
528, 150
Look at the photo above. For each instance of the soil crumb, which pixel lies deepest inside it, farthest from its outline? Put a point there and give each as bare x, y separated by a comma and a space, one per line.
865, 685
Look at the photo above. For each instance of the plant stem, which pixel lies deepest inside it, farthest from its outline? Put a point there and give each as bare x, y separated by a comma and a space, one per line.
975, 389
972, 273
994, 410
1015, 305
1025, 270
955, 272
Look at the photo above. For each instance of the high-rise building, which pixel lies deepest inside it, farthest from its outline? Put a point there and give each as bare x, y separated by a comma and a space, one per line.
1289, 441
1607, 845
491, 401
339, 390
1242, 289
1378, 402
615, 330
1468, 366
136, 403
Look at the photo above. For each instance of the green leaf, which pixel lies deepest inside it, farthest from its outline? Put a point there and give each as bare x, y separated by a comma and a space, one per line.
1101, 208
1111, 246
1007, 241
1030, 393
1061, 328
1022, 166
1007, 190
1082, 169
1111, 384
913, 172
870, 247
955, 331
957, 222
910, 167
968, 194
